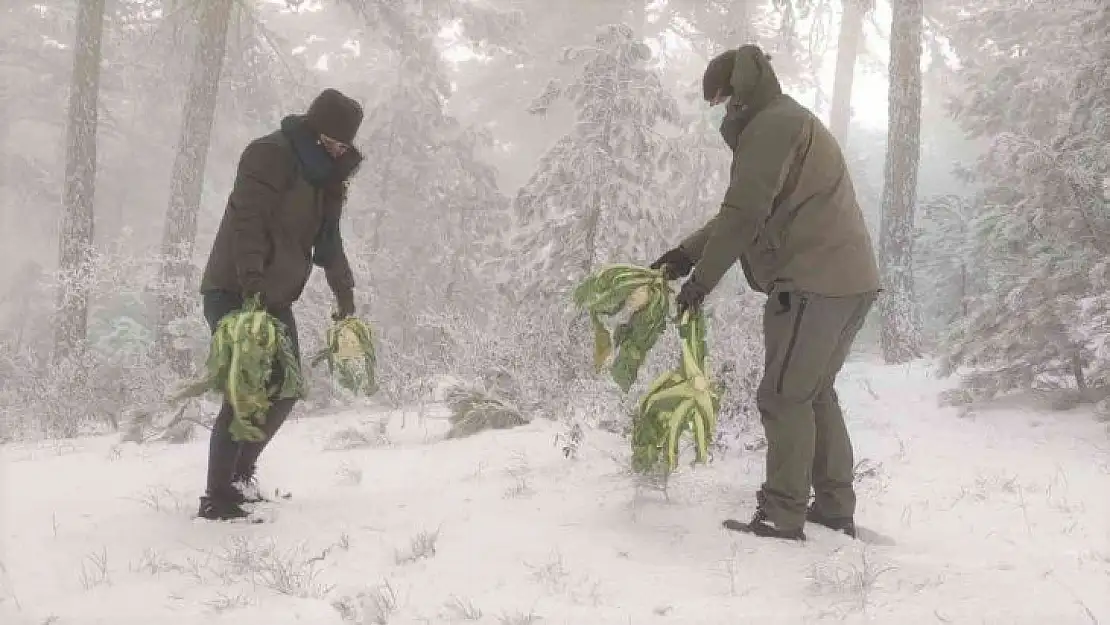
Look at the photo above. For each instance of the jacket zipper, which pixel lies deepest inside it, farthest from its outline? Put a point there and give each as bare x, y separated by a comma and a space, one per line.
790, 346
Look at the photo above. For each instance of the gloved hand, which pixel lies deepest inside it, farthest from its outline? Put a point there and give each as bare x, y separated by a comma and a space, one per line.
345, 305
690, 297
252, 288
675, 264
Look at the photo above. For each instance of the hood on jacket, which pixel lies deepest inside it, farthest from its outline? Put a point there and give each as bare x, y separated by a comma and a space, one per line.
753, 80
752, 85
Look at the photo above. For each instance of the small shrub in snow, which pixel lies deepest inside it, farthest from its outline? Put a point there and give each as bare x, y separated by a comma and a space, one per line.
421, 546
94, 570
113, 369
475, 409
520, 618
225, 602
855, 580
521, 489
371, 607
552, 573
162, 499
357, 438
463, 609
292, 572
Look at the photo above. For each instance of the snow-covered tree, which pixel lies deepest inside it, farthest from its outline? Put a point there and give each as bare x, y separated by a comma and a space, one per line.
900, 335
1036, 89
596, 196
946, 270
695, 164
76, 237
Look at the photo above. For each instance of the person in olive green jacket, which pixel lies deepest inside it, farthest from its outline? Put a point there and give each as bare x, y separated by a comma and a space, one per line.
791, 218
282, 217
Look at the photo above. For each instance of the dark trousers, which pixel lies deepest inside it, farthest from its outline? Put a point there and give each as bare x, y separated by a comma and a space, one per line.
230, 461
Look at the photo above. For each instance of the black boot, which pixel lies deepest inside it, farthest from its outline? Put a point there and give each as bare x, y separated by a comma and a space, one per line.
217, 508
761, 526
846, 525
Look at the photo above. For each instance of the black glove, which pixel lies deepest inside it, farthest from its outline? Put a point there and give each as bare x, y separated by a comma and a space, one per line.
252, 289
345, 305
690, 297
675, 264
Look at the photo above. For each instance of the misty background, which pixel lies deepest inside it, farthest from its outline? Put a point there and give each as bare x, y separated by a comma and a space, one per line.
513, 146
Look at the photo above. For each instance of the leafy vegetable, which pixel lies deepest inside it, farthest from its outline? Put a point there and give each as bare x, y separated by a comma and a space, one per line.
241, 357
350, 354
679, 401
644, 295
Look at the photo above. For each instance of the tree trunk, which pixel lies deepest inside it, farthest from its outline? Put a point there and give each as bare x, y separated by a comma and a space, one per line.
900, 336
75, 246
7, 198
847, 51
180, 229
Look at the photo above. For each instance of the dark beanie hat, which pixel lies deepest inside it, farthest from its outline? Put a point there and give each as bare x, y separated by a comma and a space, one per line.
335, 115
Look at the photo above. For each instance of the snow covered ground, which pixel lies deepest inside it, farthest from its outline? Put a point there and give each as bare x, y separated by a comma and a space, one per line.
1003, 517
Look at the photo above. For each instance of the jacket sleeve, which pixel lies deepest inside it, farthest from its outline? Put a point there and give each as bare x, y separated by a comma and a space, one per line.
329, 252
260, 181
694, 244
764, 156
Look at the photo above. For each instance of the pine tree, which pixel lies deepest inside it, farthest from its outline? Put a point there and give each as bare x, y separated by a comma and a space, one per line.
945, 264
1038, 94
596, 196
695, 165
427, 169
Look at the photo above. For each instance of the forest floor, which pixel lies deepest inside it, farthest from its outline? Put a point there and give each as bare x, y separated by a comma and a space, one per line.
1001, 516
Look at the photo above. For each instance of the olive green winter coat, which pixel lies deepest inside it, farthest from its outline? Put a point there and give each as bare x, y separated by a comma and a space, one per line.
790, 214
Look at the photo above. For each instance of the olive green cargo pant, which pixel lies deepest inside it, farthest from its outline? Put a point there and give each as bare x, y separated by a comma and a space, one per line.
807, 339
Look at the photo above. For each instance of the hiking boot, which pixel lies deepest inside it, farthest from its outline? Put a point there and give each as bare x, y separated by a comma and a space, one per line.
219, 509
845, 525
762, 526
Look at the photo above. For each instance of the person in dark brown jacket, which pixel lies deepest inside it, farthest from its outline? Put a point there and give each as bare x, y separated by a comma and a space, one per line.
282, 217
791, 218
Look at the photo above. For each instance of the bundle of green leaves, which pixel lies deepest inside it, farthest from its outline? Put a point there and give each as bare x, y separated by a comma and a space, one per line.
679, 401
241, 356
641, 294
350, 355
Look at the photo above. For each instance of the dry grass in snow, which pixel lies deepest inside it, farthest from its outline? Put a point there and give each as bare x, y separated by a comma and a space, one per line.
1000, 517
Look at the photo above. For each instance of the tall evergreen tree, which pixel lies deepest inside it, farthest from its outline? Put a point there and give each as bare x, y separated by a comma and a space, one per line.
596, 196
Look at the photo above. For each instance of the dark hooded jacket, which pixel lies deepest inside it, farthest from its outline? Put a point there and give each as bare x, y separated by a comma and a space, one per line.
790, 213
282, 217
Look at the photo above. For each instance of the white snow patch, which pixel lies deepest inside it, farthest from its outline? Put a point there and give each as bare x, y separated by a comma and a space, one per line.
1000, 518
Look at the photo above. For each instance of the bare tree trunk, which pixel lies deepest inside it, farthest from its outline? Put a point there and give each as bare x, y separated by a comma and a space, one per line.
900, 335
76, 236
847, 51
180, 230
